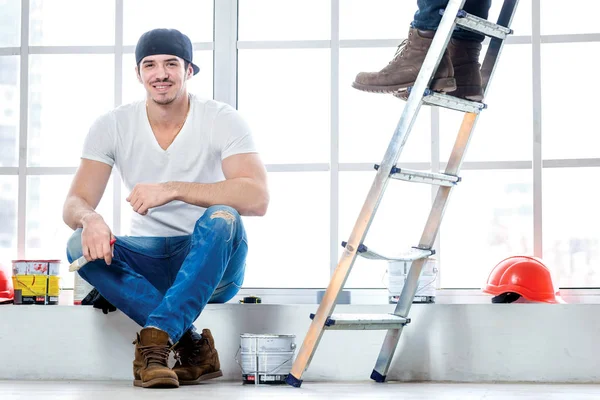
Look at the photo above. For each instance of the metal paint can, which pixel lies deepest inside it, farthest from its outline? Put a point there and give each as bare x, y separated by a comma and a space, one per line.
81, 289
36, 281
266, 358
53, 282
427, 284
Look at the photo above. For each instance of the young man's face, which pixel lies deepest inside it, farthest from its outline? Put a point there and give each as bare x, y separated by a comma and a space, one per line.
164, 77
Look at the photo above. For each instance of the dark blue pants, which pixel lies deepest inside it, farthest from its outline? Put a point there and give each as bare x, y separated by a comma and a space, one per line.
165, 282
428, 16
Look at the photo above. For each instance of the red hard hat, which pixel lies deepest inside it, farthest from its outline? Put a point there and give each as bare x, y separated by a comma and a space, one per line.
524, 275
6, 286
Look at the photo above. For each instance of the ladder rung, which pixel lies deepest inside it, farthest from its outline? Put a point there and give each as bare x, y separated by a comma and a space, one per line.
364, 321
480, 25
432, 178
454, 103
413, 254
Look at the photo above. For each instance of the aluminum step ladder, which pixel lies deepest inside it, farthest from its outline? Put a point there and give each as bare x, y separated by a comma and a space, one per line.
419, 94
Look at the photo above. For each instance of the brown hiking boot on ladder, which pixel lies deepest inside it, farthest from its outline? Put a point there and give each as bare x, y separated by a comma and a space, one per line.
197, 358
150, 366
464, 55
467, 70
403, 70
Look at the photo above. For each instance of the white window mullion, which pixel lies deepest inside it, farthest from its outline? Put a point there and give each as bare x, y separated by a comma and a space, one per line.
537, 127
23, 125
36, 171
284, 44
335, 136
435, 167
10, 51
118, 93
9, 171
225, 51
71, 50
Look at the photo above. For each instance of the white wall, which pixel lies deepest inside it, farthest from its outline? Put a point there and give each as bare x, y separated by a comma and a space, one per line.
444, 342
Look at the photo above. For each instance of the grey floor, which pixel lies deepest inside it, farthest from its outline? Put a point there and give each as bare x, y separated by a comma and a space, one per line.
76, 390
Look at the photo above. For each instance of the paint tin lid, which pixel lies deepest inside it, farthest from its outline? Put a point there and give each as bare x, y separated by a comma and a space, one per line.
264, 335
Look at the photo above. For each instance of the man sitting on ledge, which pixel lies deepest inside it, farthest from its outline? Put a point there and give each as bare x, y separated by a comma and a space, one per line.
192, 169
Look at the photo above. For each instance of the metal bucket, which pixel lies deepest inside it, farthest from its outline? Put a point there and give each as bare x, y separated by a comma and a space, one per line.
265, 358
426, 286
81, 290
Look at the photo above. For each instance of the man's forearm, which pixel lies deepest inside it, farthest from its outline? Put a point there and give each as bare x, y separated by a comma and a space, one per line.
247, 196
76, 210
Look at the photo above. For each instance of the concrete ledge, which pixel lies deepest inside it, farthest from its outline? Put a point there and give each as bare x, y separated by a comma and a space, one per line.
444, 342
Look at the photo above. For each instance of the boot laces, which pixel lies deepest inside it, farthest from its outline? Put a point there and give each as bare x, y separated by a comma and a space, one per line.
156, 353
188, 353
400, 50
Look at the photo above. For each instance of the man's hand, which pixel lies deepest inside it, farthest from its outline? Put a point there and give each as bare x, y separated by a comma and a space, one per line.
95, 238
148, 195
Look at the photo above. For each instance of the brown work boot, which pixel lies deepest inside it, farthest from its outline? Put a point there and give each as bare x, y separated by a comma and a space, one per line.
465, 61
467, 70
402, 71
150, 366
197, 358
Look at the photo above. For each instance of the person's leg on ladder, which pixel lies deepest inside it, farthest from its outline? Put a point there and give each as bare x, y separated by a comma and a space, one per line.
464, 49
402, 71
458, 73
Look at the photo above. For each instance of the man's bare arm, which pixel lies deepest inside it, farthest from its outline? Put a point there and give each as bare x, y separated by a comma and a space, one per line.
86, 192
244, 188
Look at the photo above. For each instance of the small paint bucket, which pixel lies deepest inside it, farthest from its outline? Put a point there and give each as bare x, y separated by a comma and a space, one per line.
81, 289
265, 358
53, 282
36, 281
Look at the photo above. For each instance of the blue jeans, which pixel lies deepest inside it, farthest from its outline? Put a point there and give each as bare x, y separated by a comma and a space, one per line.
165, 282
428, 16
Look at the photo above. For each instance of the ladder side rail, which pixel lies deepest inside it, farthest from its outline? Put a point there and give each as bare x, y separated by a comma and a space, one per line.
409, 290
495, 47
454, 163
435, 217
363, 222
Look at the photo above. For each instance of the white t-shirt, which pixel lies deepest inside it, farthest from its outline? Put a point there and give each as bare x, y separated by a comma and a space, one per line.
123, 137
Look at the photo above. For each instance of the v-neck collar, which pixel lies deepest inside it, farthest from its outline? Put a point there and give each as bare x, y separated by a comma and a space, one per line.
151, 131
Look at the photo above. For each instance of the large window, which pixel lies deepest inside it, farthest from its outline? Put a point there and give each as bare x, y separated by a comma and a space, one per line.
70, 80
295, 85
288, 65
